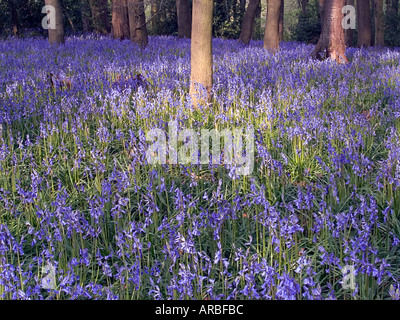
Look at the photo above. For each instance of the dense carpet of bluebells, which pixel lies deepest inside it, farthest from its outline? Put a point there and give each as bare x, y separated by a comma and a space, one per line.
78, 198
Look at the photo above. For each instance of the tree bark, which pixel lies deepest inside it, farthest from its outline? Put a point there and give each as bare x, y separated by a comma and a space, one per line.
349, 33
379, 23
271, 37
364, 23
249, 21
201, 76
120, 19
184, 18
101, 23
331, 42
137, 22
56, 36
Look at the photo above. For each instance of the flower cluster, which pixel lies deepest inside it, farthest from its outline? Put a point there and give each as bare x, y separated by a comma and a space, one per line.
83, 215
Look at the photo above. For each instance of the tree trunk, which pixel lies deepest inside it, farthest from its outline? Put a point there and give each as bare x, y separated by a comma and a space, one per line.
184, 18
137, 22
249, 21
201, 76
271, 37
281, 19
349, 33
56, 36
331, 41
364, 23
379, 23
101, 23
120, 19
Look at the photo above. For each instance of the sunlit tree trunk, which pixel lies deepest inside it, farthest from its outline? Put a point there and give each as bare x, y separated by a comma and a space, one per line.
331, 42
201, 76
184, 18
249, 21
120, 19
100, 18
137, 22
379, 23
271, 37
364, 23
56, 36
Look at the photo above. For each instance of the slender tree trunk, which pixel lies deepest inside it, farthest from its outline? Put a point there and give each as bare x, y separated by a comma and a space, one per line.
249, 21
201, 76
331, 41
281, 19
85, 16
184, 18
271, 37
379, 23
120, 19
137, 22
349, 33
364, 23
100, 17
14, 17
56, 36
